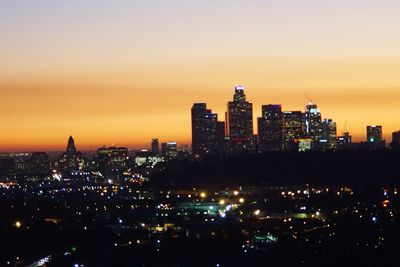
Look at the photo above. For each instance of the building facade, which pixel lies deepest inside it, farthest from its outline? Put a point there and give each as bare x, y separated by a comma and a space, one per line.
207, 132
270, 128
292, 129
239, 123
113, 161
374, 137
312, 124
328, 139
155, 146
71, 161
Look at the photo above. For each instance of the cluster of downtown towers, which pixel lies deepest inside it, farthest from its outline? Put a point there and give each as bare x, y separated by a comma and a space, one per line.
277, 130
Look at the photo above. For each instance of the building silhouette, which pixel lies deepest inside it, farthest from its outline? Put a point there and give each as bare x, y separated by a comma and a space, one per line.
344, 141
72, 160
396, 137
207, 132
328, 139
270, 128
239, 123
292, 129
396, 140
374, 137
38, 166
169, 150
312, 124
155, 146
113, 161
374, 133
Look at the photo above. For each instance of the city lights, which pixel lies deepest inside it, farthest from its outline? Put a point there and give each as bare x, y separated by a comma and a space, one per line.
128, 139
18, 224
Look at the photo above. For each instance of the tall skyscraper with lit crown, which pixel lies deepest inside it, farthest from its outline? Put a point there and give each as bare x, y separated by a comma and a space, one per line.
312, 124
239, 122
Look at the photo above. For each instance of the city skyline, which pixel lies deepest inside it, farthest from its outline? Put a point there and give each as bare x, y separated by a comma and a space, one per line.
146, 145
303, 122
126, 73
200, 133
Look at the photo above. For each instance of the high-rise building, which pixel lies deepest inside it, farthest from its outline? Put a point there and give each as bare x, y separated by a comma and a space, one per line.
396, 137
312, 124
169, 150
270, 128
239, 122
220, 138
328, 135
113, 161
344, 141
207, 131
72, 160
374, 137
374, 133
155, 146
292, 129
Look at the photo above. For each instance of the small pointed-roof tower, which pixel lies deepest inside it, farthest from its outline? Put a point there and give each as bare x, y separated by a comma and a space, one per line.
71, 145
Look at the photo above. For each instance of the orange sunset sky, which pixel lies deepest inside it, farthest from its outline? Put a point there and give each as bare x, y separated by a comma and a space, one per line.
123, 72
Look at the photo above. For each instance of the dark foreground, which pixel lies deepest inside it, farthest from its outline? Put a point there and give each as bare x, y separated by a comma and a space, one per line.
260, 216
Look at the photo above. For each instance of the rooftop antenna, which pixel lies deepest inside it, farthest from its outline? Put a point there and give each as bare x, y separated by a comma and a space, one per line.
345, 128
309, 99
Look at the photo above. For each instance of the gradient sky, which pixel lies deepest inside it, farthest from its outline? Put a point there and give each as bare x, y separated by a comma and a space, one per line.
122, 72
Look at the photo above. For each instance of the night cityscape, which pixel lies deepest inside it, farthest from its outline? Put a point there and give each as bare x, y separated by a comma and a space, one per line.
199, 134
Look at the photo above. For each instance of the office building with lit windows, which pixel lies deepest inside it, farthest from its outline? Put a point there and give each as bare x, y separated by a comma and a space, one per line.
239, 123
169, 150
328, 135
312, 124
113, 161
292, 129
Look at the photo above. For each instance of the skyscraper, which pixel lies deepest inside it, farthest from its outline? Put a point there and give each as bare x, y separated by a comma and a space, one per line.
270, 128
374, 133
155, 147
328, 135
169, 150
396, 140
292, 129
312, 123
374, 137
207, 131
396, 137
344, 141
239, 122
